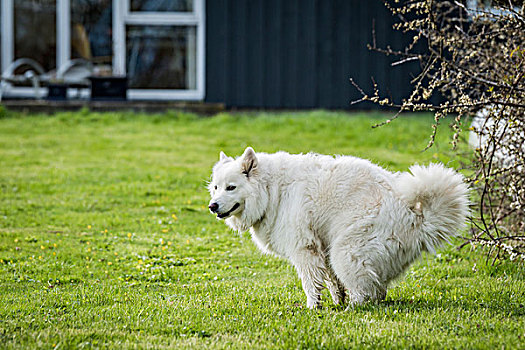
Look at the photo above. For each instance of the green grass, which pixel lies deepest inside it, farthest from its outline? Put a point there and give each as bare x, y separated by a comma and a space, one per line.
105, 241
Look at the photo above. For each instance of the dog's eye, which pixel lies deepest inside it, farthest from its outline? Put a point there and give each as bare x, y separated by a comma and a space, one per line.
215, 187
230, 188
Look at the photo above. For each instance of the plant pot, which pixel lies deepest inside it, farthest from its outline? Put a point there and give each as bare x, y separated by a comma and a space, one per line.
57, 92
109, 88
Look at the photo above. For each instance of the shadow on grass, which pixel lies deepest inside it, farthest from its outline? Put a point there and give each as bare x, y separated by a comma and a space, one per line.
499, 305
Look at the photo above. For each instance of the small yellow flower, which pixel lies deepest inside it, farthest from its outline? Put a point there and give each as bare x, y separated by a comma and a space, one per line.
129, 235
169, 242
164, 230
89, 226
110, 263
42, 247
187, 241
54, 245
116, 253
174, 217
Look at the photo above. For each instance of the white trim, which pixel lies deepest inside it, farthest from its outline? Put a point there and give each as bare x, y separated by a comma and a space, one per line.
195, 18
119, 37
63, 32
125, 7
200, 9
23, 92
8, 43
153, 94
161, 18
191, 58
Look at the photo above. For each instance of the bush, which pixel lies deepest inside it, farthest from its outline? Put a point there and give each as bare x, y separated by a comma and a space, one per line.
475, 59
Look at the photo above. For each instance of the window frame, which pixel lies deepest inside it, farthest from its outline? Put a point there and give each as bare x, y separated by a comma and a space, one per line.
122, 16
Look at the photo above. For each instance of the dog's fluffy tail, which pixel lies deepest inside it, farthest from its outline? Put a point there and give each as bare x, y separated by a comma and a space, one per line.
439, 197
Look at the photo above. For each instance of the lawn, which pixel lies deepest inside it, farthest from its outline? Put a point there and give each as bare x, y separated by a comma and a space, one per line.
106, 241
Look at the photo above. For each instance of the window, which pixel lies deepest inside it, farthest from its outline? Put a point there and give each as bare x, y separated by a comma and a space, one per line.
161, 57
91, 37
157, 44
31, 20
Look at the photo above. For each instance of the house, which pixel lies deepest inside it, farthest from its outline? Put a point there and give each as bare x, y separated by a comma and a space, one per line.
241, 53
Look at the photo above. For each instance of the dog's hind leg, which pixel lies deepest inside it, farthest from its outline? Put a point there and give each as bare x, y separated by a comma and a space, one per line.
335, 287
310, 264
355, 267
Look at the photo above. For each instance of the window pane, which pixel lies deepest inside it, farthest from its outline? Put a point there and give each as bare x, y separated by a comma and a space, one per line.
91, 31
161, 57
35, 31
162, 5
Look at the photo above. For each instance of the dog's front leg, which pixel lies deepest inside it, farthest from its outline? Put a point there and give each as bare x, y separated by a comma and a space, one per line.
312, 271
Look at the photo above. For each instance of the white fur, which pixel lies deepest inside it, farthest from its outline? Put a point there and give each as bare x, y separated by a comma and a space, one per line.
343, 222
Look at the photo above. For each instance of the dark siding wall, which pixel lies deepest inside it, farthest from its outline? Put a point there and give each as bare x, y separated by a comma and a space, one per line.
299, 53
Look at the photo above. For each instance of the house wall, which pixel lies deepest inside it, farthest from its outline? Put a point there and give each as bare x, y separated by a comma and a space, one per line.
299, 53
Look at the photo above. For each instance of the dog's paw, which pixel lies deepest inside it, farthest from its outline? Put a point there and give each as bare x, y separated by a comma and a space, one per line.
313, 303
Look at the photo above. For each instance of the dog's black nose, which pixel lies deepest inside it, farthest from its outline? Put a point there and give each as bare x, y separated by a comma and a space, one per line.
214, 207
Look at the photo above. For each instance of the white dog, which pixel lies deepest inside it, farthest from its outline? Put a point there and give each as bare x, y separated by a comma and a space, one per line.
343, 222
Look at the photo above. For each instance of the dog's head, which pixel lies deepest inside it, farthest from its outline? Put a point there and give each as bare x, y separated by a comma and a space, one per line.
233, 187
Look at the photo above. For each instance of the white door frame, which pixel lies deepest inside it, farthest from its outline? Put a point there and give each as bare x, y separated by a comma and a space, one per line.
122, 16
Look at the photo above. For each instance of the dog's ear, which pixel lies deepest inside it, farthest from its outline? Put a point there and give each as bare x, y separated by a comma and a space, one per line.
224, 158
249, 162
